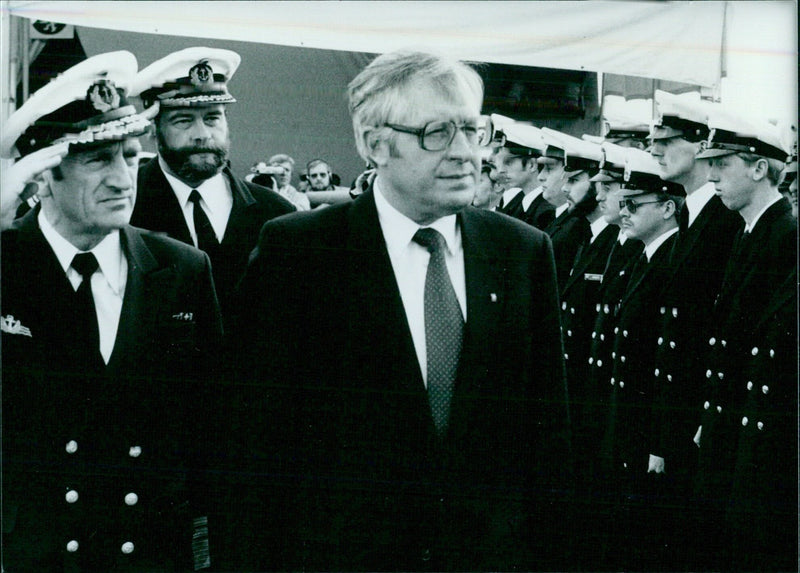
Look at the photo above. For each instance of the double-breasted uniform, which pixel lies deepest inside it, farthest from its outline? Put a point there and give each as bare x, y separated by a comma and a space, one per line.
101, 463
758, 265
697, 266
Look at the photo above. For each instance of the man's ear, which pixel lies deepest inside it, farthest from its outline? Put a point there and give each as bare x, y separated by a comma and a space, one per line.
760, 169
670, 209
377, 147
46, 184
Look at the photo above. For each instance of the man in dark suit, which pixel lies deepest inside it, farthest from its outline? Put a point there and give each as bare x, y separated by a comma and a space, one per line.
107, 335
746, 163
423, 405
189, 192
517, 164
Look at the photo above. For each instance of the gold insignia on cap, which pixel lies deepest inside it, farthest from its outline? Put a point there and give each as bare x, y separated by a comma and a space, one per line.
201, 74
103, 96
627, 174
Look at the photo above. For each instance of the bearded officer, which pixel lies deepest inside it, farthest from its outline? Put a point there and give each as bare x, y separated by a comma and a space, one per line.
189, 193
107, 332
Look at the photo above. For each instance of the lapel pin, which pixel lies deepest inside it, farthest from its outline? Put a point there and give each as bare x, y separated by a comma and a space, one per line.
493, 297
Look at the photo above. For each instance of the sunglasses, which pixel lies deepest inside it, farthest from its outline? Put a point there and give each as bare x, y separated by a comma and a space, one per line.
632, 205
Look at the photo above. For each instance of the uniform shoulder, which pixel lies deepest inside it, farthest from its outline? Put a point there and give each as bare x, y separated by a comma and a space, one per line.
504, 229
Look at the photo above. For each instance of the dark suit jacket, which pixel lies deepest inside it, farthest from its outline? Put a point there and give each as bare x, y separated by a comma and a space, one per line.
567, 232
697, 265
540, 213
157, 209
375, 488
150, 396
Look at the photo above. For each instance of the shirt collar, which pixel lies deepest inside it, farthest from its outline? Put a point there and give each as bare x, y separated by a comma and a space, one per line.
622, 237
560, 210
697, 200
509, 194
651, 249
748, 228
530, 197
398, 230
108, 252
597, 227
214, 191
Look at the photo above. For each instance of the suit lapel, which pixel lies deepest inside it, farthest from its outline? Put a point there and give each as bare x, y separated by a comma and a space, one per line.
243, 200
141, 303
375, 297
162, 204
600, 247
658, 259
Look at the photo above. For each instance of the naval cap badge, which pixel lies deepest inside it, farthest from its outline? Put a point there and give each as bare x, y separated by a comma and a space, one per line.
103, 95
201, 74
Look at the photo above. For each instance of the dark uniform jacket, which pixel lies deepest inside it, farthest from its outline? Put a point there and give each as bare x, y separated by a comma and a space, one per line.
579, 300
376, 489
98, 455
540, 213
568, 232
627, 433
697, 263
157, 209
514, 207
758, 265
762, 510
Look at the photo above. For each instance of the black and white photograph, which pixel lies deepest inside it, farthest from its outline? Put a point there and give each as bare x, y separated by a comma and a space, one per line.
399, 286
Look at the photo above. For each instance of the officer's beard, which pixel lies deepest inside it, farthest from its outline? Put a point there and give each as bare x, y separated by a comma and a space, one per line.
195, 163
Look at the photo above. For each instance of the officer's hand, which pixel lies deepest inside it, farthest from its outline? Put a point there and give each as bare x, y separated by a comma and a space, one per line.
21, 181
655, 464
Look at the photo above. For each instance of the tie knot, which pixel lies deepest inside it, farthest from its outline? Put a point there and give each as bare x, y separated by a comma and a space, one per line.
429, 238
195, 196
85, 264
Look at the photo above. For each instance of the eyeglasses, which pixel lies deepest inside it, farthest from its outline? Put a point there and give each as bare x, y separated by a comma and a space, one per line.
632, 205
438, 135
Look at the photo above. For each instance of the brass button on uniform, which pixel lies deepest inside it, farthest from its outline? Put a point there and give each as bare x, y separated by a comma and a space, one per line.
72, 447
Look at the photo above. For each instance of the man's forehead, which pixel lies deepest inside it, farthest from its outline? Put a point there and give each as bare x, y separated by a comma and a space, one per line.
192, 110
127, 144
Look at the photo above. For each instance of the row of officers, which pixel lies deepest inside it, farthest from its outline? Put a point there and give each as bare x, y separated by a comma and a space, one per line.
676, 257
196, 379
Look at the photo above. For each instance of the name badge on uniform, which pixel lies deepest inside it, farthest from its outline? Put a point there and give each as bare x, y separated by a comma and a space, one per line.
593, 277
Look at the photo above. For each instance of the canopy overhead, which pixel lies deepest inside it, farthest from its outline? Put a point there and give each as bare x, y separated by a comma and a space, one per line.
649, 39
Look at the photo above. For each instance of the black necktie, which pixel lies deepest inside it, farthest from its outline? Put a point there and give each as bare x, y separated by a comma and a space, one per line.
206, 239
86, 265
444, 329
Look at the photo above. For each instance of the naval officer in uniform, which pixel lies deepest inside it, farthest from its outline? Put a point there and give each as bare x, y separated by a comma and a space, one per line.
106, 333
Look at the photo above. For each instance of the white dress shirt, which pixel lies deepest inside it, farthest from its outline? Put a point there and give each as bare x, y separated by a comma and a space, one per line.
597, 227
108, 282
217, 201
410, 265
530, 197
697, 200
509, 194
651, 249
560, 209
